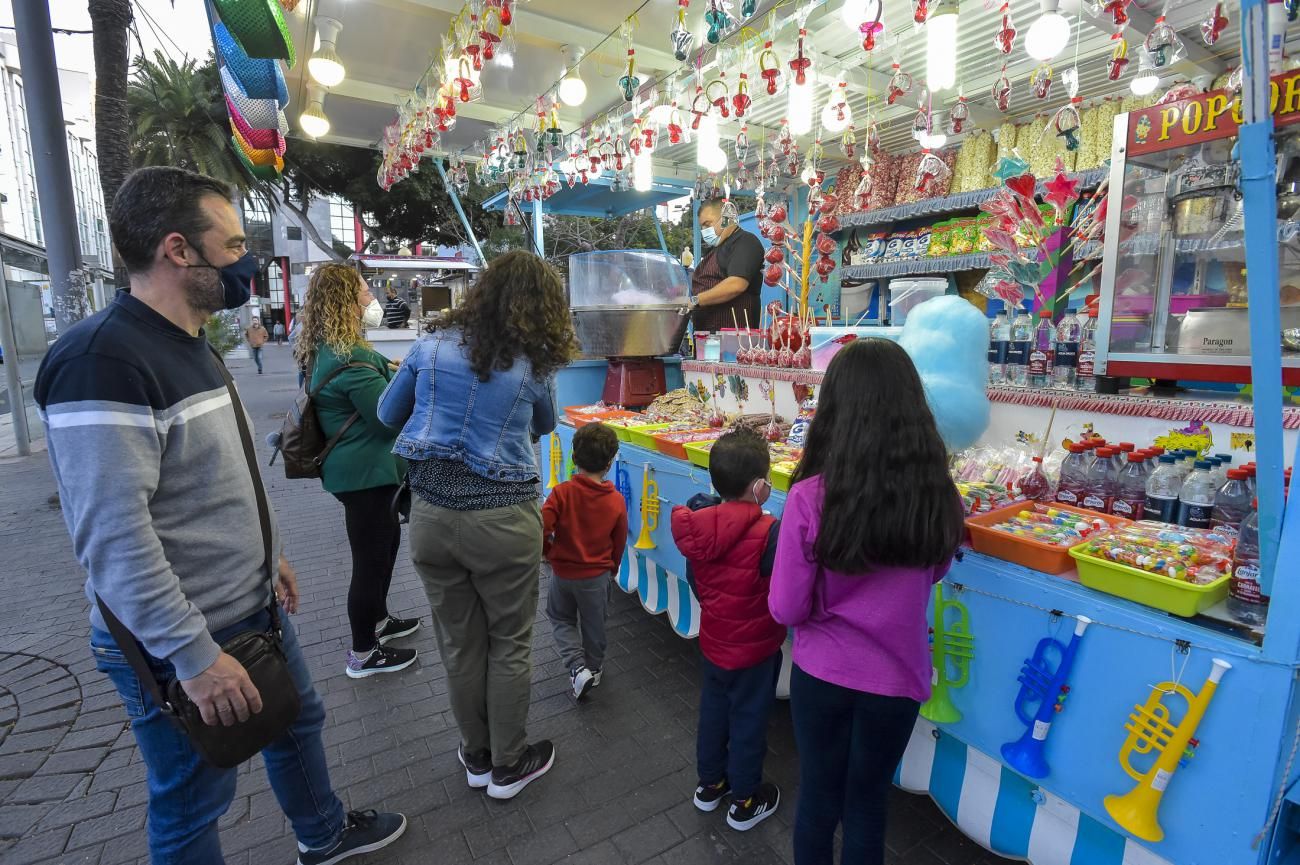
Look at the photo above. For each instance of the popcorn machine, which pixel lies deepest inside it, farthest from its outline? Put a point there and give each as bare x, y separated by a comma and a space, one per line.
1174, 288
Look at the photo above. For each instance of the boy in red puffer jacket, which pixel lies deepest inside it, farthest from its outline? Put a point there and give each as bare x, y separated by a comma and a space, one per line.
729, 545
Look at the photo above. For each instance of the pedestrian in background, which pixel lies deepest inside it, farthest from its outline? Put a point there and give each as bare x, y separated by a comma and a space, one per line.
347, 377
397, 312
584, 531
853, 580
278, 331
256, 337
467, 398
162, 508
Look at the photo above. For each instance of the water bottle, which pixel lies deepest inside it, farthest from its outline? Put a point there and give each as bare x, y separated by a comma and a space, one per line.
1196, 499
1099, 491
1022, 332
1067, 351
1069, 490
1118, 459
1041, 353
1247, 602
1131, 489
1217, 471
1250, 478
999, 342
1163, 488
1231, 504
1085, 378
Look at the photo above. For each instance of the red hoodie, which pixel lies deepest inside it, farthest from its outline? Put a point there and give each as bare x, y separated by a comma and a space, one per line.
584, 528
724, 546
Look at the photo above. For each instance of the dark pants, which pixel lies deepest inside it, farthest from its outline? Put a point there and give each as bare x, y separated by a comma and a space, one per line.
732, 738
576, 609
374, 535
850, 743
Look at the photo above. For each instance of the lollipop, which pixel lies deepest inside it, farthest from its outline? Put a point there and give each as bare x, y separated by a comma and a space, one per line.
1118, 56
899, 84
1005, 38
1213, 25
1002, 90
1041, 80
958, 116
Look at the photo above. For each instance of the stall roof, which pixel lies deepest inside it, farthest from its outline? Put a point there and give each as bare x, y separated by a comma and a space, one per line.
413, 262
598, 199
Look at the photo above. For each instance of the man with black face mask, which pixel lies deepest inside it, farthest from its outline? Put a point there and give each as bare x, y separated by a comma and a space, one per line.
175, 533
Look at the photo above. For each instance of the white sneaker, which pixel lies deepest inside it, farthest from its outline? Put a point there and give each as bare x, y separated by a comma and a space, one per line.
595, 678
583, 679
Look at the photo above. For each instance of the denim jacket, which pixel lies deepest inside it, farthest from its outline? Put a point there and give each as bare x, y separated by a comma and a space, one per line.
445, 412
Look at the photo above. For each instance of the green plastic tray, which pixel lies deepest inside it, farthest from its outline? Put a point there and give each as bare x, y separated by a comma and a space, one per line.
643, 436
1154, 590
698, 453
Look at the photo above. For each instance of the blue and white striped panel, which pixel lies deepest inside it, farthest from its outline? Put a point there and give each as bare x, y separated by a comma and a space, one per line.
1006, 813
660, 591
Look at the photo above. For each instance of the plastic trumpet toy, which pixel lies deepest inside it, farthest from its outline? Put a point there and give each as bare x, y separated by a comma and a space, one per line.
1040, 684
623, 483
649, 511
1151, 731
557, 460
951, 646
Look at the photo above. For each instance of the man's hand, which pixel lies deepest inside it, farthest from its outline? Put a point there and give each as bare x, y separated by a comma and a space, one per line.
286, 588
223, 692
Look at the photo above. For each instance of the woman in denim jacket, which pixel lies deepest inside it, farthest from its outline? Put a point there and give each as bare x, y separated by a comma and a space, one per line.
470, 399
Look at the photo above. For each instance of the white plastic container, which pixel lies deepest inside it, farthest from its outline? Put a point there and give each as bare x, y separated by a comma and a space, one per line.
827, 341
732, 339
855, 300
904, 294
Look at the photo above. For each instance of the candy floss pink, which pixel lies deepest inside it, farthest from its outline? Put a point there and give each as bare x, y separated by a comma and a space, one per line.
868, 632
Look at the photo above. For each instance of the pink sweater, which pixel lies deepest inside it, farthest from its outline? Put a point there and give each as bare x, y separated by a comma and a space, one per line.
868, 632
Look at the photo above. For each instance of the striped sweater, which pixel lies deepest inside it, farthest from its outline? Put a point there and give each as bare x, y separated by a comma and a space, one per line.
153, 480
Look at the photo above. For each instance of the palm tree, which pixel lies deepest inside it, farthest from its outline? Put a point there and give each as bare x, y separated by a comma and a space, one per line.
111, 20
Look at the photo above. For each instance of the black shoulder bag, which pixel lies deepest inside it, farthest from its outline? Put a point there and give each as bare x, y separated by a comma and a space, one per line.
259, 652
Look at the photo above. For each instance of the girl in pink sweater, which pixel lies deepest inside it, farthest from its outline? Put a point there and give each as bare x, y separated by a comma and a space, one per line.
871, 523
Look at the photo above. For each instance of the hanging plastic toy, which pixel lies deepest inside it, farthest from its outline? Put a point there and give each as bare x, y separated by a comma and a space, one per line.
740, 101
717, 19
920, 10
1118, 56
801, 63
871, 28
748, 8
862, 194
872, 135
716, 93
849, 143
699, 107
958, 115
629, 83
1292, 9
1213, 25
491, 32
464, 80
930, 172
1117, 10
680, 37
769, 68
900, 83
1065, 123
1001, 91
1005, 38
1162, 45
1041, 80
742, 144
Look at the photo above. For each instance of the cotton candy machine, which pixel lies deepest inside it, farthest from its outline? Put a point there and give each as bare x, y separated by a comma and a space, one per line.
631, 307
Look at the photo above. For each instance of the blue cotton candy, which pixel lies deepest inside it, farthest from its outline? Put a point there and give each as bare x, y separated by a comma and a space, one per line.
947, 339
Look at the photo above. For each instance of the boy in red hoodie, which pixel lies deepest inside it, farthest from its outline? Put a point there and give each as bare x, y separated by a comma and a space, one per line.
584, 531
730, 545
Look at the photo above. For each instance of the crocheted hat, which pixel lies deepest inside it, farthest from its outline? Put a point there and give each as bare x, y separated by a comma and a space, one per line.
257, 78
259, 27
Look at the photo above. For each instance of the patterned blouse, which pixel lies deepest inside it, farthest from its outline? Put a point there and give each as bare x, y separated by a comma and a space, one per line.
453, 485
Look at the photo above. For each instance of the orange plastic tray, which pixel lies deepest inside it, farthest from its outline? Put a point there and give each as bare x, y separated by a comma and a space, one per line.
581, 420
1036, 555
677, 450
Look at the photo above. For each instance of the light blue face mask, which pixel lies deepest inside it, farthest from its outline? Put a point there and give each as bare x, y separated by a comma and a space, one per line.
709, 236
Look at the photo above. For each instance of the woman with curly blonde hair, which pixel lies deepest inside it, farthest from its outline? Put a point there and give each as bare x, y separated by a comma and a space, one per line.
471, 398
346, 376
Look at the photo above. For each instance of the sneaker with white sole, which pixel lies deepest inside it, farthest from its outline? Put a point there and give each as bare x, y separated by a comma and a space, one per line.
708, 796
380, 660
582, 680
595, 678
364, 832
507, 781
394, 628
478, 767
745, 815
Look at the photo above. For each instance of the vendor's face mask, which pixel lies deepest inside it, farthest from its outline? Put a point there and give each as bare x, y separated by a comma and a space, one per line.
709, 235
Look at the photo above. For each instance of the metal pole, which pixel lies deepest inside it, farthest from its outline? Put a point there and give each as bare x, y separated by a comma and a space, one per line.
659, 229
539, 230
50, 155
695, 228
13, 374
1259, 203
460, 211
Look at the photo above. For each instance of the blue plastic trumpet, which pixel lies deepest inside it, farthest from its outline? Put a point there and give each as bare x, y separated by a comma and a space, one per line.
1048, 688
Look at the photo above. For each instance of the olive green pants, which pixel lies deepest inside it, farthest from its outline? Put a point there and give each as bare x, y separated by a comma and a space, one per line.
480, 571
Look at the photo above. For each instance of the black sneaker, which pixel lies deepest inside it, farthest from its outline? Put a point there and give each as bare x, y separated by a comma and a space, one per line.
745, 815
394, 628
381, 660
507, 781
707, 796
364, 832
478, 767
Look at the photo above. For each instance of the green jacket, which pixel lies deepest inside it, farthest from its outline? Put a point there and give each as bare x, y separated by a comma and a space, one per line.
363, 458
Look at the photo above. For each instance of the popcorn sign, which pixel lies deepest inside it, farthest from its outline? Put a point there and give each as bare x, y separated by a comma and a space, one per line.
1207, 117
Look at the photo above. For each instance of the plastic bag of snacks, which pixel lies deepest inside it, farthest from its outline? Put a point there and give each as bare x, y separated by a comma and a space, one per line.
978, 497
963, 236
940, 233
924, 237
1006, 144
876, 245
1055, 526
1197, 556
884, 181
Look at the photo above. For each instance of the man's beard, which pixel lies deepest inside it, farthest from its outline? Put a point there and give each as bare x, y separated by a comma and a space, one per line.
203, 290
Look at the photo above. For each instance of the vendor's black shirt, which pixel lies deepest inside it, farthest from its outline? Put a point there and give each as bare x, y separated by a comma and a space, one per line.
741, 254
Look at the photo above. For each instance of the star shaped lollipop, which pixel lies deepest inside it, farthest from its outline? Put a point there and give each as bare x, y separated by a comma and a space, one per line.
1061, 192
1008, 167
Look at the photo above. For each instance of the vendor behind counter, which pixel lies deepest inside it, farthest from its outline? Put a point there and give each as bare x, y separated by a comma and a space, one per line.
728, 281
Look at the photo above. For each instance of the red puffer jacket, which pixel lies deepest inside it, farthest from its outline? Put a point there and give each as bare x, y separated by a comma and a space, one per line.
724, 545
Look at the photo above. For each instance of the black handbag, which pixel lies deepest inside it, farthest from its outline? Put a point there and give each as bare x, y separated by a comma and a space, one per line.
259, 652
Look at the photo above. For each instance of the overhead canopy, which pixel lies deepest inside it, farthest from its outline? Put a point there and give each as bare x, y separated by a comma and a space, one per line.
413, 262
597, 199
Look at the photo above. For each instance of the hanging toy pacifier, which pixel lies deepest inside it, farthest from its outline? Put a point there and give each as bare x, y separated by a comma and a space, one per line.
629, 82
800, 64
871, 28
958, 115
740, 101
1001, 91
872, 135
1041, 80
699, 106
1066, 123
680, 37
1118, 56
920, 10
742, 144
769, 68
1005, 38
719, 98
717, 19
1213, 25
849, 143
930, 171
1162, 45
900, 83
1292, 9
1117, 10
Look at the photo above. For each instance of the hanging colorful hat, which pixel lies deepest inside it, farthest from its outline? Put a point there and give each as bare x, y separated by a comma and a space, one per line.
260, 79
258, 156
261, 172
257, 113
258, 139
259, 27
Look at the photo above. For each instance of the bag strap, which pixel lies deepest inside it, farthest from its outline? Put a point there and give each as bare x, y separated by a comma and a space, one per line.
125, 640
319, 459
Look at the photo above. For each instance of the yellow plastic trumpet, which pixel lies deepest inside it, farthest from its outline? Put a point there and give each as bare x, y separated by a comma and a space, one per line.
649, 510
557, 460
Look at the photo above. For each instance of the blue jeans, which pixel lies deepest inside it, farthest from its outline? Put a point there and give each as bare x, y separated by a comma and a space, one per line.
257, 356
732, 737
187, 795
849, 743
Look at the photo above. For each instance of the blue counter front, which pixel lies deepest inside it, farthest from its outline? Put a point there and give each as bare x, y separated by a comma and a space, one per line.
1209, 810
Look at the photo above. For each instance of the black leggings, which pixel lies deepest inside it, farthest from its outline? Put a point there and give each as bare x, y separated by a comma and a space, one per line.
374, 535
849, 742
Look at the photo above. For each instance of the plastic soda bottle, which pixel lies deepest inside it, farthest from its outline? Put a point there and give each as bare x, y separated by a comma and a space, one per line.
1085, 378
1196, 499
1069, 491
1022, 333
1232, 504
1066, 362
1099, 489
1247, 602
999, 343
1163, 488
1131, 489
1041, 354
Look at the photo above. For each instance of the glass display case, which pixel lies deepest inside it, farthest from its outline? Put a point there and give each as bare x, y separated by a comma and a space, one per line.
1174, 289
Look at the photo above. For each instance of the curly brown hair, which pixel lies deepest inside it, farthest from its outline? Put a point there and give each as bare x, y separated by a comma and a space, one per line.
330, 316
517, 308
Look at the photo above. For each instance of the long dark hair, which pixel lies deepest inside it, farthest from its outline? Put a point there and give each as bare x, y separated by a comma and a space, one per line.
516, 309
887, 496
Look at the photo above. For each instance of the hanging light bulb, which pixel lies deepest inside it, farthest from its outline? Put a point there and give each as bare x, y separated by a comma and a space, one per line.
941, 48
714, 161
837, 115
642, 171
1048, 36
505, 59
1144, 83
324, 65
932, 140
853, 13
313, 120
707, 137
573, 90
799, 108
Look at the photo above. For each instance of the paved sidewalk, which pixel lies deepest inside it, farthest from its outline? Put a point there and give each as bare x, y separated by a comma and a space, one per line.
72, 786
